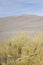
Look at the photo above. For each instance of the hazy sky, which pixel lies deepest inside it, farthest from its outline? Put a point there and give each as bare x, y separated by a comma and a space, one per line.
17, 7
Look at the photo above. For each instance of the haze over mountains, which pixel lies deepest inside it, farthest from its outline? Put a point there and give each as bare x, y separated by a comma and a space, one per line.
23, 23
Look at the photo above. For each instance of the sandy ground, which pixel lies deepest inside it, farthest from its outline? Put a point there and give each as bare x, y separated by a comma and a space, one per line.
24, 23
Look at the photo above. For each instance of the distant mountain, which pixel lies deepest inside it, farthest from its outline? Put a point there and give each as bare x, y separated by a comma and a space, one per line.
27, 23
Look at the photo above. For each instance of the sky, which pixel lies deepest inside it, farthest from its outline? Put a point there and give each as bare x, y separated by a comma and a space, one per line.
19, 7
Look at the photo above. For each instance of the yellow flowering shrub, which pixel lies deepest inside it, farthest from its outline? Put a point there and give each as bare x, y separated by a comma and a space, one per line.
22, 50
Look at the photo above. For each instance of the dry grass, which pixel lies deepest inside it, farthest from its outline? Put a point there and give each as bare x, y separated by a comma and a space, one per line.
22, 50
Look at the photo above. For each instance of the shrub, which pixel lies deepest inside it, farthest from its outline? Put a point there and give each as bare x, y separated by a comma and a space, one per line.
22, 50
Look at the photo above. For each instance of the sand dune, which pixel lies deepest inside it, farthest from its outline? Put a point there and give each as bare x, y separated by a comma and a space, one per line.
23, 23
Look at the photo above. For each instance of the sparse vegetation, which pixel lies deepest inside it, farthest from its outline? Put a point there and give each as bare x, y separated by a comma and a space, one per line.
22, 50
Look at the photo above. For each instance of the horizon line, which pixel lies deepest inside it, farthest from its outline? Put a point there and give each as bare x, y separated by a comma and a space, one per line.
20, 15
